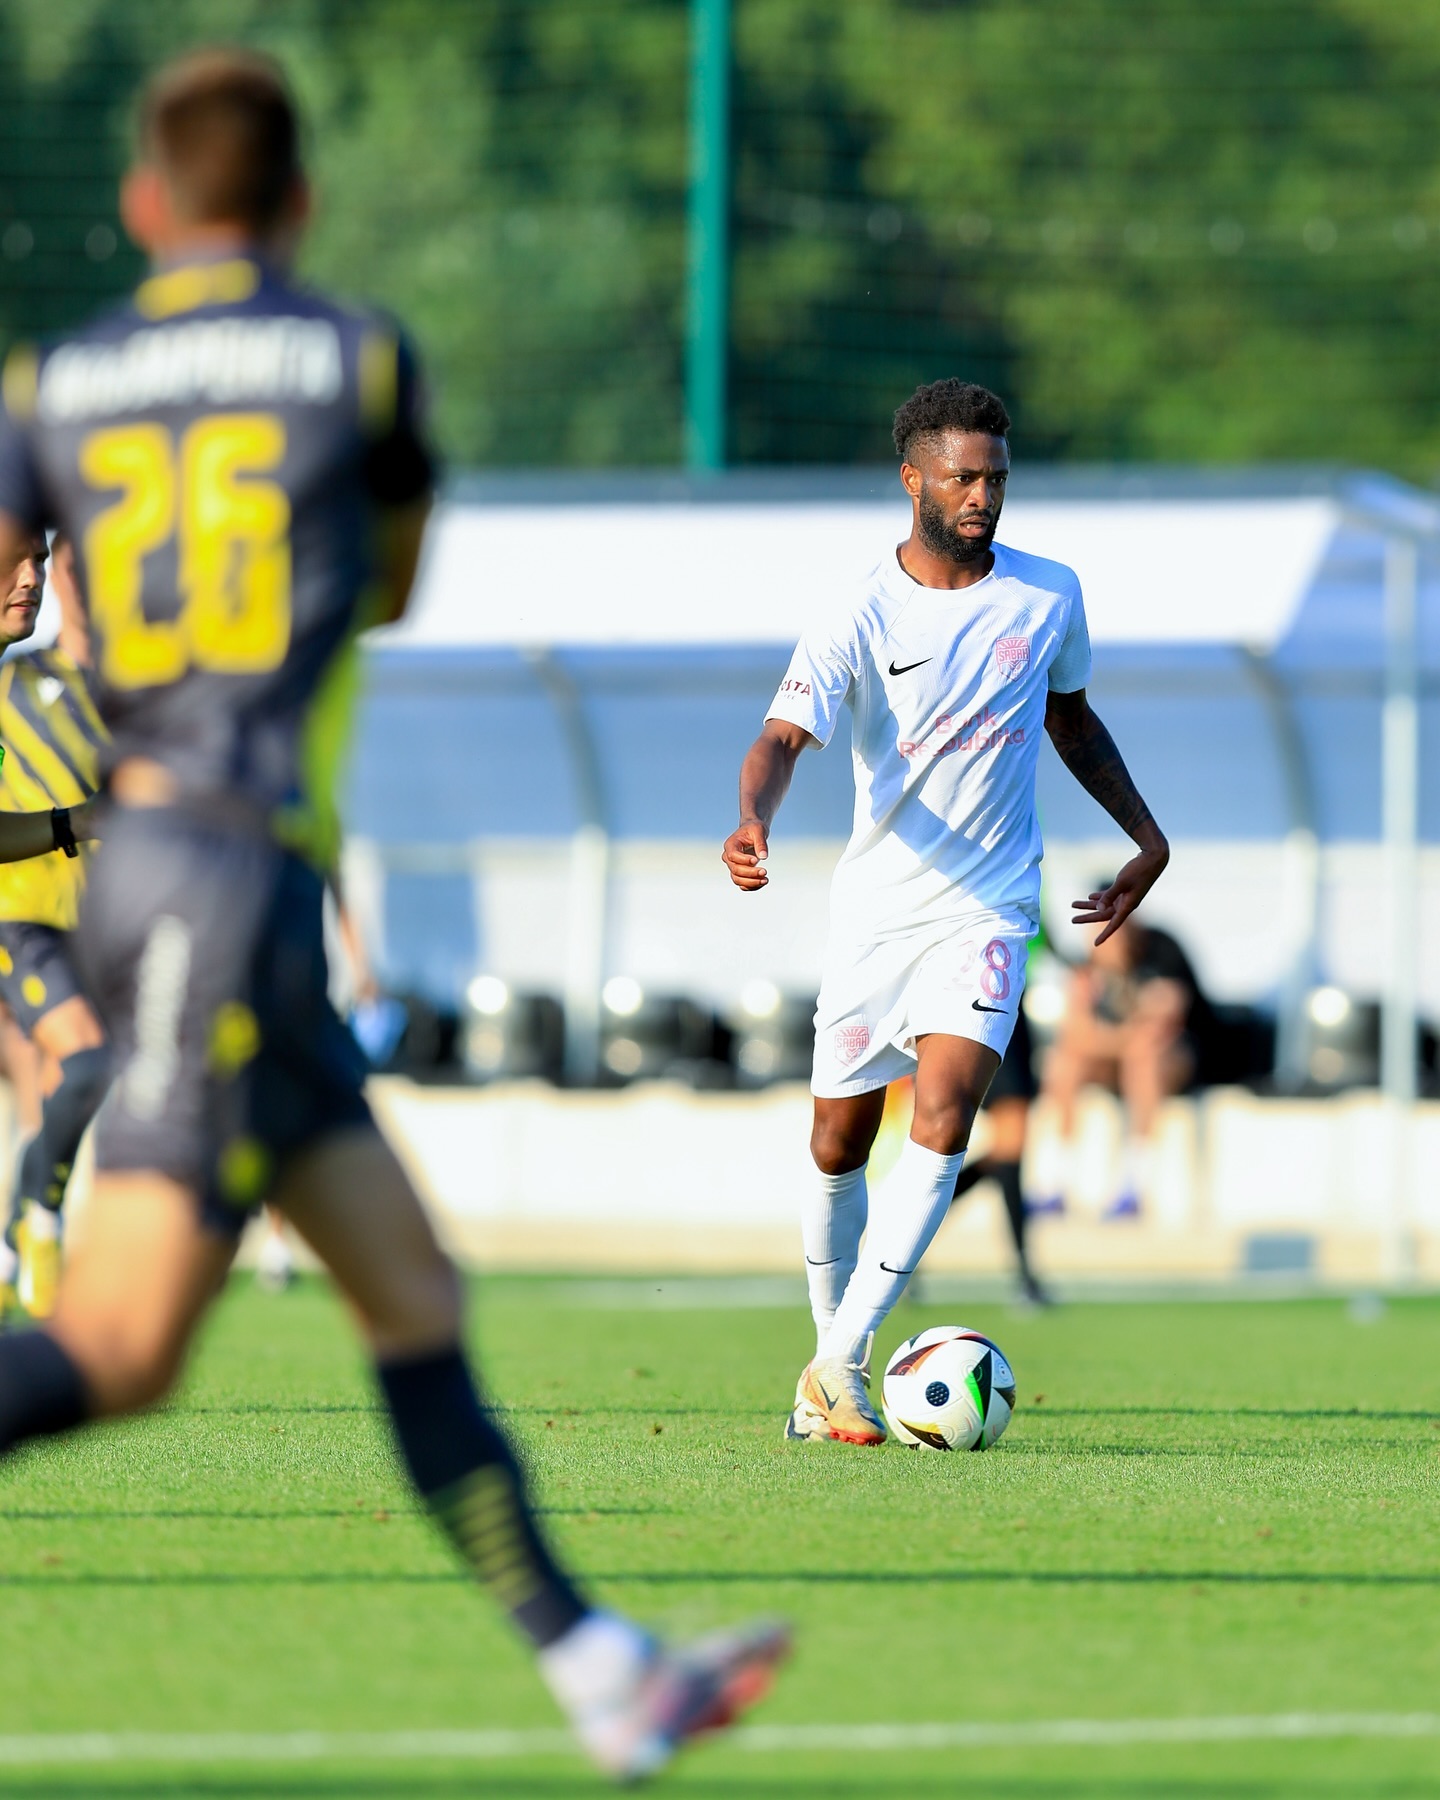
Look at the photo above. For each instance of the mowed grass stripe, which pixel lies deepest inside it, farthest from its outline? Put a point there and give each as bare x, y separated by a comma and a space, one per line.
491, 1746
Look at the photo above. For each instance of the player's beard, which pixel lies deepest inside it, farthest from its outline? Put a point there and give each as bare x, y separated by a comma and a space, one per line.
941, 539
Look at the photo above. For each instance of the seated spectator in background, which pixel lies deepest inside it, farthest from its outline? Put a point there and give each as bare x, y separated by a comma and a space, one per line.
1136, 1023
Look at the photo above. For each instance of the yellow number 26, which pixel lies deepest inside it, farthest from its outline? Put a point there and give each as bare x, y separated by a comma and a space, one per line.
234, 547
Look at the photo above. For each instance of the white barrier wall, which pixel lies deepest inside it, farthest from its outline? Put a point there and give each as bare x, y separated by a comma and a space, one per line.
677, 926
659, 1178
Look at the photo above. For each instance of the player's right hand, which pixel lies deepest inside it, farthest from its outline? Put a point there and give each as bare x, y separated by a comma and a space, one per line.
744, 856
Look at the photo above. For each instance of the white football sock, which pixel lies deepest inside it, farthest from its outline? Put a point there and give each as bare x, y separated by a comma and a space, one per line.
597, 1662
832, 1222
917, 1198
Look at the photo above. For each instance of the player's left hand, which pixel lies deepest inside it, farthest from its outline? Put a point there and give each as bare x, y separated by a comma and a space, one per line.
1113, 905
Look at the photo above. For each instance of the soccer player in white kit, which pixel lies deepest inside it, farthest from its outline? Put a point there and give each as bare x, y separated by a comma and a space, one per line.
953, 655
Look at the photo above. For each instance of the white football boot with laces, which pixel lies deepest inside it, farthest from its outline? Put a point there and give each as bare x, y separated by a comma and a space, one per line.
633, 1702
832, 1402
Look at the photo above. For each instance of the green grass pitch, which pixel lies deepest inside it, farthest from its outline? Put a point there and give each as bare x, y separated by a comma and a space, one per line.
1214, 1510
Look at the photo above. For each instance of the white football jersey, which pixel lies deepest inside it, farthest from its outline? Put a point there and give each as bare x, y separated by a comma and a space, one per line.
947, 688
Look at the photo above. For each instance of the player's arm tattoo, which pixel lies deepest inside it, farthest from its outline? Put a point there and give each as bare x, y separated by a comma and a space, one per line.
1088, 751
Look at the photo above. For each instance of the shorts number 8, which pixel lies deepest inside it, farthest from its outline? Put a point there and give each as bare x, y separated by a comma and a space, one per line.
994, 977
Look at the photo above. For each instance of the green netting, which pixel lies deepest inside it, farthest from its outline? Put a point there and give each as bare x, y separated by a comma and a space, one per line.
1190, 230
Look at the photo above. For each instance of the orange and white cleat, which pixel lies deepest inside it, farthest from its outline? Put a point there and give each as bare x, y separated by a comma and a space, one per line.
832, 1402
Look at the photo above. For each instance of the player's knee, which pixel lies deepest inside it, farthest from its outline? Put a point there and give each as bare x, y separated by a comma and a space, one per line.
125, 1368
420, 1308
943, 1124
836, 1151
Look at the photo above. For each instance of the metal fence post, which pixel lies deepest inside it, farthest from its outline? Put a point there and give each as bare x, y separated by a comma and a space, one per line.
1400, 775
707, 311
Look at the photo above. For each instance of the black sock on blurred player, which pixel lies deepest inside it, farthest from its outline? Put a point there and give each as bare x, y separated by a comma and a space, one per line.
469, 1479
46, 1161
1008, 1176
41, 1390
84, 1079
980, 1170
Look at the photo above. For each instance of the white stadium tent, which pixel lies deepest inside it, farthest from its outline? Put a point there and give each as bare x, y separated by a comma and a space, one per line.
557, 725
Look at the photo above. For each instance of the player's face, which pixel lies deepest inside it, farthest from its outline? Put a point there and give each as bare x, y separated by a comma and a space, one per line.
959, 492
22, 587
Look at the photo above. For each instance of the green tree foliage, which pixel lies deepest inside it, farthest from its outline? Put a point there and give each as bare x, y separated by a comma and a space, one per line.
1194, 230
1208, 229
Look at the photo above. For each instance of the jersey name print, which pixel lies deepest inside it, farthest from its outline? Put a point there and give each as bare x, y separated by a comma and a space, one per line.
215, 448
947, 689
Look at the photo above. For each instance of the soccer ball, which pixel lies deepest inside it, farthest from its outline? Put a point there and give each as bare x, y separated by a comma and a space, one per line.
948, 1389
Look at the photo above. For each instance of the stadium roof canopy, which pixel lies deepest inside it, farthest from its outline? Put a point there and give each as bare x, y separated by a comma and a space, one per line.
1268, 656
1165, 557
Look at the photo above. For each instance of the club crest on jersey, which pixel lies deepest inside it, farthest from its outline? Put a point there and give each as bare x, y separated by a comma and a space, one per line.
1012, 656
852, 1040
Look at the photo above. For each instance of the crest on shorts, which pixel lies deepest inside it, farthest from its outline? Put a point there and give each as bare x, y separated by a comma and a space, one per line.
852, 1040
1012, 656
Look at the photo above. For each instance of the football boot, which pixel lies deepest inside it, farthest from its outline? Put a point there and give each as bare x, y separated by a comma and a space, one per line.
632, 1717
832, 1402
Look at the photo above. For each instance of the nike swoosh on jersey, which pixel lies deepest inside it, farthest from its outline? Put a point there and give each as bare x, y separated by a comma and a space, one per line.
49, 688
975, 1006
909, 666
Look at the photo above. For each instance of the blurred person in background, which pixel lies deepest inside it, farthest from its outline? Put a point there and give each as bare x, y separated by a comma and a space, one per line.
1136, 1024
53, 739
1006, 1107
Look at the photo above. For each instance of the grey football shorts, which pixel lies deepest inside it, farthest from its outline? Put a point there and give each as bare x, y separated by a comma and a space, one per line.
202, 945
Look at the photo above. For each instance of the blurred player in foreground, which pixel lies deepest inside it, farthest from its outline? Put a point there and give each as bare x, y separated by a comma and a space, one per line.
952, 655
241, 465
53, 736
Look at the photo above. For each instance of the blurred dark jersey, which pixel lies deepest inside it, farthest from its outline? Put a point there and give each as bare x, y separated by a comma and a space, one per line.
219, 450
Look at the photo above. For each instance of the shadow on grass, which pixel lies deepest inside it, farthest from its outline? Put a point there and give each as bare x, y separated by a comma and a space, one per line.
394, 1509
910, 1779
879, 1578
1307, 1413
625, 1408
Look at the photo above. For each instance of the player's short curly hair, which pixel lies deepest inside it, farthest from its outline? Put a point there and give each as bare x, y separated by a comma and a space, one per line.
949, 405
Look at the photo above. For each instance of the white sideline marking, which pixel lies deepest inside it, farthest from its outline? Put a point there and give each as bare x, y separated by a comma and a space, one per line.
489, 1746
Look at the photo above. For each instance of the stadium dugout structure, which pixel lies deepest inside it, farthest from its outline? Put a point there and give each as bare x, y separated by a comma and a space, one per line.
1268, 641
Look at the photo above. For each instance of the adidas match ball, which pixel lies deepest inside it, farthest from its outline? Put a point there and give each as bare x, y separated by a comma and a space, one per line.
948, 1389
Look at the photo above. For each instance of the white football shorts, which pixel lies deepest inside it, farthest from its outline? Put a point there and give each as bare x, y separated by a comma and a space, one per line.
877, 998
